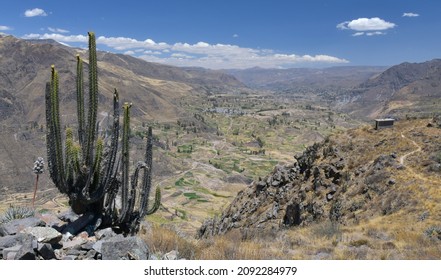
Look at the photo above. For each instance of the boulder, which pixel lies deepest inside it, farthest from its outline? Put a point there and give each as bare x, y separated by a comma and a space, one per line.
44, 234
10, 241
46, 251
26, 251
15, 226
124, 248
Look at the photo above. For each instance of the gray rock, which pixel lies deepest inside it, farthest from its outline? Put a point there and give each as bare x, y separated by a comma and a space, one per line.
172, 255
74, 252
44, 234
46, 251
97, 246
74, 244
10, 241
51, 220
15, 226
68, 216
275, 183
120, 248
59, 254
87, 246
11, 252
105, 233
26, 251
90, 255
329, 196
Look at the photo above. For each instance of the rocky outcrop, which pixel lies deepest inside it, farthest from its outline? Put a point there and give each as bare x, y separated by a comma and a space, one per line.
42, 238
317, 186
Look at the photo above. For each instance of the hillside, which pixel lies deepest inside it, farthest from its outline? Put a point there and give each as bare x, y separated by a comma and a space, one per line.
156, 89
358, 194
407, 88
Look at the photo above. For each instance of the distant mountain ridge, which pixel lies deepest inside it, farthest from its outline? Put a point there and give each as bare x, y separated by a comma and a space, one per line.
315, 78
406, 88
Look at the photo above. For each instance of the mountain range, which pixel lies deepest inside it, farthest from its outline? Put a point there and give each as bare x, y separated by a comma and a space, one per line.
155, 89
310, 78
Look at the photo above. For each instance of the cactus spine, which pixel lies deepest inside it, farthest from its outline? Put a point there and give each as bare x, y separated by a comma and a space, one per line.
88, 170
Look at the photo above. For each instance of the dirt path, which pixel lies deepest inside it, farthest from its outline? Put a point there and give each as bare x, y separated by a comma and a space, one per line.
416, 174
418, 149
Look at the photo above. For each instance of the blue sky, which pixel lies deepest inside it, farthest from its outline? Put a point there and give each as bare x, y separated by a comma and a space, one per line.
239, 34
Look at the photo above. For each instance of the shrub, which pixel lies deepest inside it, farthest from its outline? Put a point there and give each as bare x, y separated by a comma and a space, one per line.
16, 213
433, 232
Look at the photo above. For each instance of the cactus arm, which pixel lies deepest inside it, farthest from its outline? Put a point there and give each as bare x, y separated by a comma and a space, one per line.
97, 162
56, 132
147, 179
106, 181
111, 157
50, 145
157, 203
93, 100
114, 186
125, 199
80, 102
69, 161
134, 184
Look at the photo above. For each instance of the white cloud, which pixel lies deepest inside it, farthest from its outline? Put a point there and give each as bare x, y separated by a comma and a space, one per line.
235, 35
410, 15
366, 26
58, 37
201, 54
35, 12
375, 33
4, 28
57, 30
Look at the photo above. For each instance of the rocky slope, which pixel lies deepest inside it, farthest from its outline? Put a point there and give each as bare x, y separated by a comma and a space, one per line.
348, 179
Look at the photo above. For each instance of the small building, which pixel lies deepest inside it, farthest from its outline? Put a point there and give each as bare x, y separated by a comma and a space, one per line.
383, 123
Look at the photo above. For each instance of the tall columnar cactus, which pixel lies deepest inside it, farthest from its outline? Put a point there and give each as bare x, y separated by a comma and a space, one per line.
88, 171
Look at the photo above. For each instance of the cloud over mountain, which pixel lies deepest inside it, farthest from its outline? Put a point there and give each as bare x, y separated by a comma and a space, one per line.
200, 54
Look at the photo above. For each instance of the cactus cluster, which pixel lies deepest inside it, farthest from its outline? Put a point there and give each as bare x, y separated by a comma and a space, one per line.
91, 169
